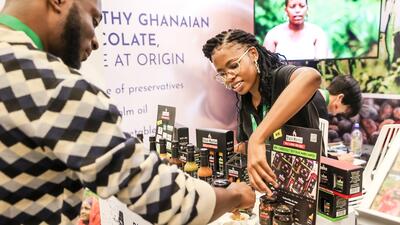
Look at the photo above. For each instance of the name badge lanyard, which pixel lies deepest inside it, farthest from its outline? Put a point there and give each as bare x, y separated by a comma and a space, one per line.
253, 120
18, 25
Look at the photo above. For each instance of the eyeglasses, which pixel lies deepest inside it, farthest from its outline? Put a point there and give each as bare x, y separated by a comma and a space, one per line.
233, 69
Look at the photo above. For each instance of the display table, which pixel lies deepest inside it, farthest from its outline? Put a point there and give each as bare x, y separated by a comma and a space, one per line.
253, 220
349, 220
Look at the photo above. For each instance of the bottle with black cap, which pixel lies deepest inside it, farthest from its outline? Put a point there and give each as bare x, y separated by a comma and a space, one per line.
163, 148
190, 166
205, 172
174, 160
139, 136
152, 141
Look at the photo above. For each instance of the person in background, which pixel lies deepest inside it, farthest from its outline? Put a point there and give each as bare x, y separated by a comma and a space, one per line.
90, 212
297, 39
270, 94
343, 96
59, 133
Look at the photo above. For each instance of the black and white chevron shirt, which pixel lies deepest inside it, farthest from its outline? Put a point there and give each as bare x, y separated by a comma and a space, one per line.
59, 134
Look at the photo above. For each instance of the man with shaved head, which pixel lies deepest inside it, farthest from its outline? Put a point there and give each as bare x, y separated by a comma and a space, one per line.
59, 133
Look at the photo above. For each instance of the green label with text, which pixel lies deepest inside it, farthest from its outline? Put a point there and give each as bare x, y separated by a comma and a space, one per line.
293, 151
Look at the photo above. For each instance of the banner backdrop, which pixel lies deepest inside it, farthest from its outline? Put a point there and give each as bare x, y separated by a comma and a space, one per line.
152, 55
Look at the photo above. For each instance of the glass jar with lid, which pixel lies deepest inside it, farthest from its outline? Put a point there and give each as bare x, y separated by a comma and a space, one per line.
266, 209
283, 215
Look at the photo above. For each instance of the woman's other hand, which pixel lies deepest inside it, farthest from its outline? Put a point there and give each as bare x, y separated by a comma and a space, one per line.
260, 173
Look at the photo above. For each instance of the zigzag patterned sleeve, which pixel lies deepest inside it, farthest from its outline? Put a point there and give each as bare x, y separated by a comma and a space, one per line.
83, 130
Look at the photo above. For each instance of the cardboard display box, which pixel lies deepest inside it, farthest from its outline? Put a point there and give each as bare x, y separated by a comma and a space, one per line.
220, 144
236, 168
342, 177
295, 156
332, 205
181, 134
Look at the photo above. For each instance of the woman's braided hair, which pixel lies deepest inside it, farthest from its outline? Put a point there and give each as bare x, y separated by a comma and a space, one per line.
267, 60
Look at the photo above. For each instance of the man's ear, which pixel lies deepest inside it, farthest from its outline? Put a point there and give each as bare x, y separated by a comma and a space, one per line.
56, 5
340, 98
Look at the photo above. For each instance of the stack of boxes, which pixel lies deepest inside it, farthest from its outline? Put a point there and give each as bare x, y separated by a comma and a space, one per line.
220, 144
181, 134
339, 182
236, 168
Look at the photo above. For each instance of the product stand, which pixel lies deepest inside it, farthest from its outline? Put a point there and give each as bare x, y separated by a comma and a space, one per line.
253, 220
349, 220
113, 212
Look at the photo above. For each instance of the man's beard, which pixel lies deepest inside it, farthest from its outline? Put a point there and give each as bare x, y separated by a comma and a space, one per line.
71, 38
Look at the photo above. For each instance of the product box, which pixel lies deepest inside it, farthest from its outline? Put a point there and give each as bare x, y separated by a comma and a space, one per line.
181, 134
183, 153
220, 144
332, 205
236, 168
341, 177
165, 125
295, 155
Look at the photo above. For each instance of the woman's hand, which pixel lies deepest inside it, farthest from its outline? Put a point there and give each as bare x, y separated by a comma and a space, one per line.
258, 168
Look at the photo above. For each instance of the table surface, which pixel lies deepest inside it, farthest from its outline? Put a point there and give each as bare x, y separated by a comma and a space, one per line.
253, 220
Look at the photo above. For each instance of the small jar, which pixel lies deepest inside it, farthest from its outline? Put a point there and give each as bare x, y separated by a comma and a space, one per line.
283, 215
222, 183
266, 209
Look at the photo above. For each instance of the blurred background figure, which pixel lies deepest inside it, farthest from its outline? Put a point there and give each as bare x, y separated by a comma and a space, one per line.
297, 39
343, 96
90, 212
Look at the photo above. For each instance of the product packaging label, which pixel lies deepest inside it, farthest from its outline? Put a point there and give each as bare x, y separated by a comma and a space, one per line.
295, 157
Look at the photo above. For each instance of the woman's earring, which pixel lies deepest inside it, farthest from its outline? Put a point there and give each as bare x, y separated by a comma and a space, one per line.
257, 66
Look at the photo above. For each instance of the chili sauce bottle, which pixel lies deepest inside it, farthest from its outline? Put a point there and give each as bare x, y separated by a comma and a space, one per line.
205, 172
190, 166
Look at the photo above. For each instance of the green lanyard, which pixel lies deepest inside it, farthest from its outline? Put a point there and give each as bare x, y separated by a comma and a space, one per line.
326, 94
18, 25
253, 120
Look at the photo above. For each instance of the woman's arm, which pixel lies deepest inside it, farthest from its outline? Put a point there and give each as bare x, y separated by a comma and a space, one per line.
303, 84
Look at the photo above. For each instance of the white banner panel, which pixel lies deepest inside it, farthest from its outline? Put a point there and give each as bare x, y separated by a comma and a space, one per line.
152, 55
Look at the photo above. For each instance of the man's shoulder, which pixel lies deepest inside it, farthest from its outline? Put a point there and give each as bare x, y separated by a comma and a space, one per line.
28, 57
18, 46
32, 64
